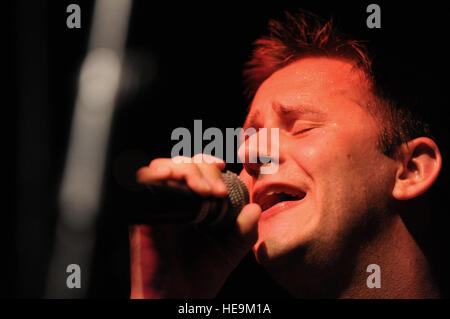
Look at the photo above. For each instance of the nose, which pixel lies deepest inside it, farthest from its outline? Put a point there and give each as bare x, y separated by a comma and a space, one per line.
253, 167
259, 151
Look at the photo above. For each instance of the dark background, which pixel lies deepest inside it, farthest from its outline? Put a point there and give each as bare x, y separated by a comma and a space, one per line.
188, 59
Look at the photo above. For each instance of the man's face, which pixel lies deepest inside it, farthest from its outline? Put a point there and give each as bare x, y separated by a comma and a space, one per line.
338, 179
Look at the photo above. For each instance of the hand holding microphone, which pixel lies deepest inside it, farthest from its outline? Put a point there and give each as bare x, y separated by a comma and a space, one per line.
174, 202
173, 241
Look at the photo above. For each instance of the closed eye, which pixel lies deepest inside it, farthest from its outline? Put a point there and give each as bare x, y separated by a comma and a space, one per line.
302, 131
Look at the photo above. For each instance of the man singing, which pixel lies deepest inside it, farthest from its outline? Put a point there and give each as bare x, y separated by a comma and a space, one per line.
353, 164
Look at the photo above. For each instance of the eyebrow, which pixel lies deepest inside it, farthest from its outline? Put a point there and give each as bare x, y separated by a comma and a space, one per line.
285, 110
299, 110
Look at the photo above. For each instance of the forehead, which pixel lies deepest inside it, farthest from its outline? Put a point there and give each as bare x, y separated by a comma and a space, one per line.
312, 81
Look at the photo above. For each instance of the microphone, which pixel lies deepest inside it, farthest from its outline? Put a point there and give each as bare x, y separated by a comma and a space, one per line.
170, 204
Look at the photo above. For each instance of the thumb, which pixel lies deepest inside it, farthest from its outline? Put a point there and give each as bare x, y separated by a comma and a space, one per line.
247, 225
245, 234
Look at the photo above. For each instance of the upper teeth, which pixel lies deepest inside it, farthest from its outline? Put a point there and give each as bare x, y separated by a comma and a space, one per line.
285, 192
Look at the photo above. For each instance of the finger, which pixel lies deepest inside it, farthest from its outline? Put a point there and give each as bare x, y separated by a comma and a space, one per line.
159, 169
211, 168
164, 169
209, 159
194, 178
213, 176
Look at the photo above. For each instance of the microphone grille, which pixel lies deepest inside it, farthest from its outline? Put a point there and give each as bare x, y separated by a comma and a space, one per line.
237, 192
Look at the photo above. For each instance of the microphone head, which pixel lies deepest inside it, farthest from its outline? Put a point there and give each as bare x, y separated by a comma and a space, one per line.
237, 192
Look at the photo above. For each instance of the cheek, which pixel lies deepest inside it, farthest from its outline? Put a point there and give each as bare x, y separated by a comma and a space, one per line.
342, 165
317, 152
330, 149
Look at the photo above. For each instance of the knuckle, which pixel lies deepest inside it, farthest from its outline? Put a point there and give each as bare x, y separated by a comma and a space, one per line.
157, 162
181, 160
198, 158
208, 159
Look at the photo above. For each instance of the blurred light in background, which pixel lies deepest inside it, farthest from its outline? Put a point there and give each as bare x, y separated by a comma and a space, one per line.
81, 186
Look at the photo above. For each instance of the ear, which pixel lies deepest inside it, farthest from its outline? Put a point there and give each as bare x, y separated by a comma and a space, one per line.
419, 164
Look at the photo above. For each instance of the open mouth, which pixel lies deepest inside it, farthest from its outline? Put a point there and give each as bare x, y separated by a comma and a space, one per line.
271, 198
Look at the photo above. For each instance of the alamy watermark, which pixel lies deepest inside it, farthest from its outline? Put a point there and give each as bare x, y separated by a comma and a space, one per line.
73, 20
373, 21
373, 280
74, 279
250, 145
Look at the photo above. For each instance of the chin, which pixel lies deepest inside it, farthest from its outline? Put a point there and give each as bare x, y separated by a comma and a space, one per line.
282, 239
271, 252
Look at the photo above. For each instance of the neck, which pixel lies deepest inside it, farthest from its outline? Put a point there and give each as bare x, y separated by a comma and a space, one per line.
404, 271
